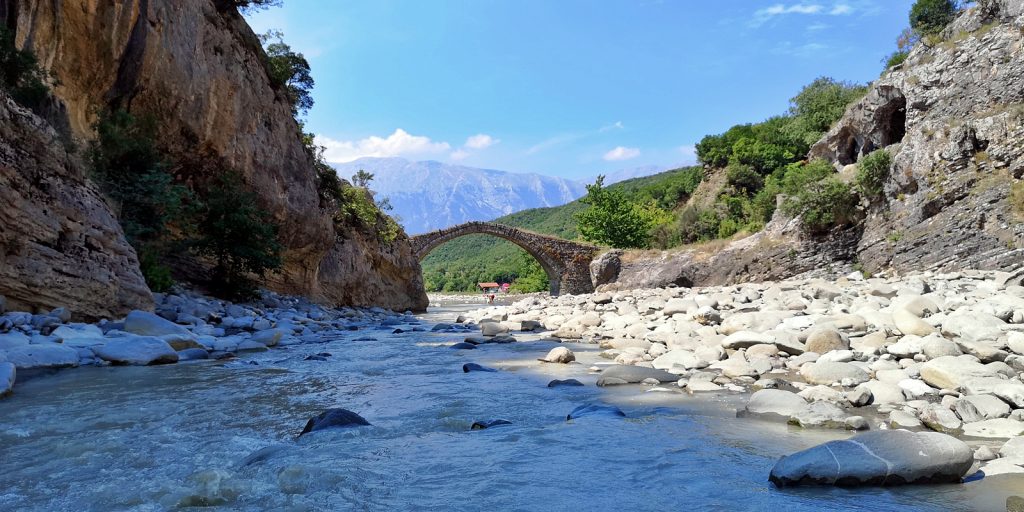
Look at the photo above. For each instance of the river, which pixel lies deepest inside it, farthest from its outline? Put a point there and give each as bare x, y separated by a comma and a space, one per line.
158, 438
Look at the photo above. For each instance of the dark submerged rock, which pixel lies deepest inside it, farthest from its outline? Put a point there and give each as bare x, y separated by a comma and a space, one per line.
463, 346
192, 354
473, 367
567, 382
334, 418
481, 425
609, 411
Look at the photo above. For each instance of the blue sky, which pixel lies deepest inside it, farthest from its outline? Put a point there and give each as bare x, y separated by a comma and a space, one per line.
567, 87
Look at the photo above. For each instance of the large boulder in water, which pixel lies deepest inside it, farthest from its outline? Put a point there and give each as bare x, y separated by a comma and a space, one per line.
486, 424
473, 367
43, 355
884, 457
144, 323
775, 401
559, 355
628, 374
334, 418
137, 350
609, 411
7, 375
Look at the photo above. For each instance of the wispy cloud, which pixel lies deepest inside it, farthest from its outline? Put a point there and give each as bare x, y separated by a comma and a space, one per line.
621, 153
762, 16
799, 50
841, 10
399, 143
566, 138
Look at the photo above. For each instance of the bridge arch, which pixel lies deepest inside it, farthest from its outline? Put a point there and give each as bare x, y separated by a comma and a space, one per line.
566, 263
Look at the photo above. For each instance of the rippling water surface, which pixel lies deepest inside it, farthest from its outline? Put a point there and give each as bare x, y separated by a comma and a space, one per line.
224, 435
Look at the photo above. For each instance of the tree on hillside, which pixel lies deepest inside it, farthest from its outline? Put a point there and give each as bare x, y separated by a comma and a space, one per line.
614, 220
238, 235
20, 74
821, 103
362, 178
246, 5
931, 16
290, 70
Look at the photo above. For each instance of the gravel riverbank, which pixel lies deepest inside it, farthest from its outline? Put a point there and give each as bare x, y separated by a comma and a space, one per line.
924, 352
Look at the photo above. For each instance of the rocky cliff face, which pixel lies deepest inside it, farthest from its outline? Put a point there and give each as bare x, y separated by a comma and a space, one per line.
199, 71
60, 245
952, 117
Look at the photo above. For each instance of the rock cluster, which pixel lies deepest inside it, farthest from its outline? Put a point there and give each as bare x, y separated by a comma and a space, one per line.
185, 327
928, 351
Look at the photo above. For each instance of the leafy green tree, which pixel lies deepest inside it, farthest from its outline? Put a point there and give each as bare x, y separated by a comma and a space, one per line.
362, 178
289, 70
20, 74
133, 174
612, 219
816, 195
929, 17
763, 157
246, 5
821, 103
238, 235
715, 150
743, 178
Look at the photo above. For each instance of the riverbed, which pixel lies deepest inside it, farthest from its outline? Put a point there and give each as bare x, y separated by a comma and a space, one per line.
224, 434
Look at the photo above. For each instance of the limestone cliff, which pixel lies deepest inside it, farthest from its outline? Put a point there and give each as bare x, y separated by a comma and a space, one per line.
60, 244
952, 117
199, 70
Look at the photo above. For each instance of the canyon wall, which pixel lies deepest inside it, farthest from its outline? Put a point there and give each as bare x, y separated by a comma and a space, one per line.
199, 70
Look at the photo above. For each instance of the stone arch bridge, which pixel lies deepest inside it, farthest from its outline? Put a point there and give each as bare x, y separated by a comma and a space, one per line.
567, 263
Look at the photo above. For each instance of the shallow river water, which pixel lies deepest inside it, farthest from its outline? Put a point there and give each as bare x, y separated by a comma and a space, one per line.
177, 436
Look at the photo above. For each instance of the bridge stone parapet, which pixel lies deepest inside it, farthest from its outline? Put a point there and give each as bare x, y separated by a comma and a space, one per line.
567, 263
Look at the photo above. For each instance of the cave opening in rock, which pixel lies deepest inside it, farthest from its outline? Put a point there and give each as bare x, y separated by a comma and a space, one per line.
893, 120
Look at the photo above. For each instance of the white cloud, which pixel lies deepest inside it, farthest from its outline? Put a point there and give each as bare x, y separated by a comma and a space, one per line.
762, 16
617, 125
621, 153
459, 154
481, 141
399, 143
689, 152
802, 50
566, 138
841, 10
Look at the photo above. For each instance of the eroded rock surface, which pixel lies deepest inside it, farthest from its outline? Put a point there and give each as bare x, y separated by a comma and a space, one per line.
60, 244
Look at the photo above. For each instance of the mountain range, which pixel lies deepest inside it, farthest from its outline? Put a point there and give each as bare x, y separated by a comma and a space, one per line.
430, 195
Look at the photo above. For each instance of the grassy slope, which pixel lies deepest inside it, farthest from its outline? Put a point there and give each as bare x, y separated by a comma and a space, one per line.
478, 258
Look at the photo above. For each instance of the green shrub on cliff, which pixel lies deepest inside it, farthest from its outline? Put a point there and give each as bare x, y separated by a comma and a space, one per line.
818, 197
929, 17
289, 70
238, 235
133, 174
20, 75
872, 170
